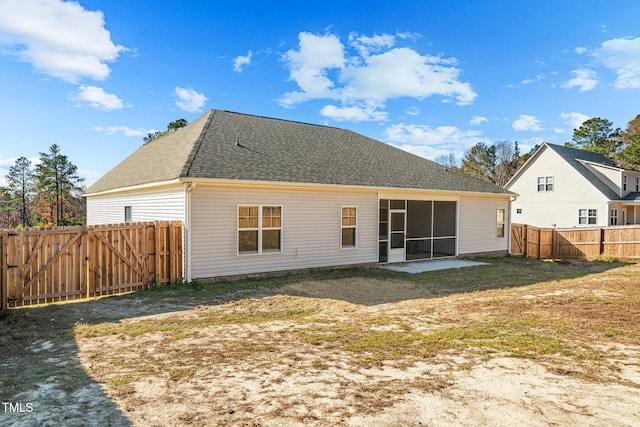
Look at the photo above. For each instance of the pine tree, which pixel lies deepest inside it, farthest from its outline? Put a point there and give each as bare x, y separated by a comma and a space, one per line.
56, 181
20, 184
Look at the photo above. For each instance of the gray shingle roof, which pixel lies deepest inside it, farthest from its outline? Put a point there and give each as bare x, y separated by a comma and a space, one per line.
235, 146
573, 157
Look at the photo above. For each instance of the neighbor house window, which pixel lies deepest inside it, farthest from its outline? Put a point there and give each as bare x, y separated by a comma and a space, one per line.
545, 183
638, 183
624, 183
587, 216
349, 223
500, 223
127, 214
614, 217
259, 229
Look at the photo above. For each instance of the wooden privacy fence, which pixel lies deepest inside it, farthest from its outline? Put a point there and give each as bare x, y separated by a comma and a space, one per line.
542, 243
66, 263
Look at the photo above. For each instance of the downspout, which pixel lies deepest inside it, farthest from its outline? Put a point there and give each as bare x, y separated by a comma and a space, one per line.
189, 187
457, 226
508, 223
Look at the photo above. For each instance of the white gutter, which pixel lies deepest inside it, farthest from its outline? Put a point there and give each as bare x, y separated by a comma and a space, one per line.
239, 182
134, 187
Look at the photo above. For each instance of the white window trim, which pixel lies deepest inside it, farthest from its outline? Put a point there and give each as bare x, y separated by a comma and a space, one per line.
587, 216
546, 180
503, 222
613, 216
355, 227
259, 229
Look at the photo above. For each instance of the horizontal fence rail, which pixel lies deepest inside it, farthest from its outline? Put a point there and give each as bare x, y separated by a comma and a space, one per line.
67, 263
533, 242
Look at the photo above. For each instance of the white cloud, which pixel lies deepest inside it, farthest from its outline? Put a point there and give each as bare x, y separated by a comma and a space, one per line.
309, 67
430, 142
580, 50
59, 38
365, 44
127, 131
476, 120
413, 111
575, 120
241, 61
96, 97
525, 122
354, 113
189, 100
584, 80
623, 57
373, 73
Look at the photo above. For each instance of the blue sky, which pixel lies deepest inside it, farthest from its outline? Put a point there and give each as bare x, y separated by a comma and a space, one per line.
431, 77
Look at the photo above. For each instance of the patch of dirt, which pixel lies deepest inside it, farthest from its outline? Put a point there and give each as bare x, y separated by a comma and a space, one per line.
354, 351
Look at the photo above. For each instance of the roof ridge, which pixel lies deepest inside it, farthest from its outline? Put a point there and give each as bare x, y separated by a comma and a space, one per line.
281, 120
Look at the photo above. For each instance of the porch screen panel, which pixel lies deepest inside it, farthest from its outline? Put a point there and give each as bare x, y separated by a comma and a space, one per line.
418, 249
444, 229
444, 247
418, 219
444, 219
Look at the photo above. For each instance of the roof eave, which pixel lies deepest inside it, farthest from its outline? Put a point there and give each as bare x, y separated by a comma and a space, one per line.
135, 187
238, 182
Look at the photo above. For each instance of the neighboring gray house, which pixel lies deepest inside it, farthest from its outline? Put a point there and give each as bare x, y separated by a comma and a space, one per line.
565, 187
258, 194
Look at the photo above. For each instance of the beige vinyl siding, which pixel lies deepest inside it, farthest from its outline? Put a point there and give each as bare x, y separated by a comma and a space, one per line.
160, 204
610, 176
477, 225
311, 229
558, 208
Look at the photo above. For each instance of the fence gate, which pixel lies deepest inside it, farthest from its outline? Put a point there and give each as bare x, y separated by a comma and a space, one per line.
518, 239
66, 263
45, 265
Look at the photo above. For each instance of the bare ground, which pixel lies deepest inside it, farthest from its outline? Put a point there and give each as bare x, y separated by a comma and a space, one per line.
560, 347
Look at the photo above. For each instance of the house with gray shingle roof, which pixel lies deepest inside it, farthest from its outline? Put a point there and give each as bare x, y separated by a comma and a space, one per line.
258, 194
565, 187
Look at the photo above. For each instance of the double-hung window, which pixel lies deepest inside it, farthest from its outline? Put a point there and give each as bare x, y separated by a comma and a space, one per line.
349, 223
127, 214
545, 183
500, 223
259, 229
587, 216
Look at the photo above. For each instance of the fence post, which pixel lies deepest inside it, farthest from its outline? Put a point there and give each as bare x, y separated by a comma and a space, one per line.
4, 283
601, 251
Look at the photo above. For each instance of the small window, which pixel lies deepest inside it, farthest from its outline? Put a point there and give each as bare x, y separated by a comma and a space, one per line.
587, 216
638, 183
127, 214
349, 222
545, 183
259, 229
519, 210
613, 220
624, 183
500, 223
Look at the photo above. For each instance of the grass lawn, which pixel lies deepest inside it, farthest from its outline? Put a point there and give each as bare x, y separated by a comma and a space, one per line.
342, 346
